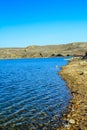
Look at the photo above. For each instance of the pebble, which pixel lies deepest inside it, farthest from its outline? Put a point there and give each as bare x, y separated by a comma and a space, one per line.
41, 125
44, 128
72, 121
68, 115
77, 111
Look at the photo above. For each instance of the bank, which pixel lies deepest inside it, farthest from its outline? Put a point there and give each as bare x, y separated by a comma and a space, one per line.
75, 74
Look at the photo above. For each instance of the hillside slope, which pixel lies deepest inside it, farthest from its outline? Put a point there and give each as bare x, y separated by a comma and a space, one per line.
45, 51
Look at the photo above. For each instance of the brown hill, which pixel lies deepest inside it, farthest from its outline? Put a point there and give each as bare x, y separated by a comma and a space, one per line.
45, 51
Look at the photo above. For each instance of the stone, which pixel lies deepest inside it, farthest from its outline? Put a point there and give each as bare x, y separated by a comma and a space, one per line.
44, 128
72, 121
41, 125
68, 115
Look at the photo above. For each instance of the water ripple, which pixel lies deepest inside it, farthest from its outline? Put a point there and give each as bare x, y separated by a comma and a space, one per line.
32, 94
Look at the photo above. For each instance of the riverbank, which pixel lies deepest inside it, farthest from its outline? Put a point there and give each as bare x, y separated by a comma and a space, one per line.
75, 74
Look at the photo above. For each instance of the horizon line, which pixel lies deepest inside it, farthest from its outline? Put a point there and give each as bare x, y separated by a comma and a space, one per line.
59, 44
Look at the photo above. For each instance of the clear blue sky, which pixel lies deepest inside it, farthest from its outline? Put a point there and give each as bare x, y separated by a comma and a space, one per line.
41, 22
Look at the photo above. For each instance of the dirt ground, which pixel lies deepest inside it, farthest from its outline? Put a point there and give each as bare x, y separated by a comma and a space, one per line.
75, 74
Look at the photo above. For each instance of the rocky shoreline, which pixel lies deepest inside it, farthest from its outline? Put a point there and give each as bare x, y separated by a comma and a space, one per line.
75, 74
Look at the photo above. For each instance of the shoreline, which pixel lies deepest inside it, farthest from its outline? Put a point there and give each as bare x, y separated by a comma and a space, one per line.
75, 74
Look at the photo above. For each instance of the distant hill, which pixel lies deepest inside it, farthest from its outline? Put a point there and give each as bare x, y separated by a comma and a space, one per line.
78, 48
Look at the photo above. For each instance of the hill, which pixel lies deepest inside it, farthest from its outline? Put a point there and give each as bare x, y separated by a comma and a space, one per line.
45, 51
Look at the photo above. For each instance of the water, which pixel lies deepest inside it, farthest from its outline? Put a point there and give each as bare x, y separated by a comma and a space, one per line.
32, 94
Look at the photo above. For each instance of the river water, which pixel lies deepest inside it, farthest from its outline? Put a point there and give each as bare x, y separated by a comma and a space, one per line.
33, 95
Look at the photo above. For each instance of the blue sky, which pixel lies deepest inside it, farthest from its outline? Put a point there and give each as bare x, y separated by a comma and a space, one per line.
41, 22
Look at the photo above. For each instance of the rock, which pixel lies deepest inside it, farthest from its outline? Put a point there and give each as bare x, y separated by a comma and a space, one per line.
72, 121
44, 128
81, 73
68, 115
41, 125
77, 82
68, 128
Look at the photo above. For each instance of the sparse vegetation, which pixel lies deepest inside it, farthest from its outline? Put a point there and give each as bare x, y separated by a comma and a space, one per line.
45, 51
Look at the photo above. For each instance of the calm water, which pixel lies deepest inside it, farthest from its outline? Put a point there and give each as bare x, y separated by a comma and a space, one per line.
32, 94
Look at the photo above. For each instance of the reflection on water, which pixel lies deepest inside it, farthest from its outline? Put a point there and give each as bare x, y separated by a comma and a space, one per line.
32, 94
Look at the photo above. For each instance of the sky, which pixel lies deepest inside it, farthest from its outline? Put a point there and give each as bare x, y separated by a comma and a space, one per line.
42, 22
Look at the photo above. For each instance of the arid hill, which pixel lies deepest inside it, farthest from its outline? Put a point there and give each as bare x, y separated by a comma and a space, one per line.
45, 51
